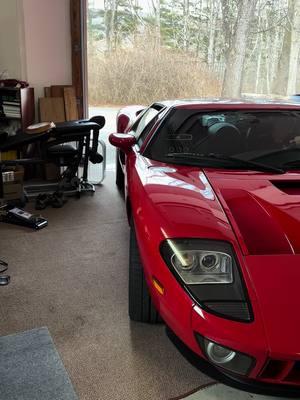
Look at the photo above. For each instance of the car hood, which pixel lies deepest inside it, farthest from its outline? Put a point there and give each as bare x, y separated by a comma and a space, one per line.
185, 202
257, 212
264, 211
261, 212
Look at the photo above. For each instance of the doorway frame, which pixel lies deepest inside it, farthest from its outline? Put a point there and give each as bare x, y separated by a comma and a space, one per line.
78, 23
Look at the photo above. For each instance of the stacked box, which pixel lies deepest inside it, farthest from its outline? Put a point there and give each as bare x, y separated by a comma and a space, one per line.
12, 178
8, 155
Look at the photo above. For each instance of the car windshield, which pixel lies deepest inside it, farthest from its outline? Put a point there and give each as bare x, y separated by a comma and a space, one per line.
264, 138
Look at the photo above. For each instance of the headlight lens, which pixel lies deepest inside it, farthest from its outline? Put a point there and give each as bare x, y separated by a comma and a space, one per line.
226, 358
202, 267
185, 261
208, 270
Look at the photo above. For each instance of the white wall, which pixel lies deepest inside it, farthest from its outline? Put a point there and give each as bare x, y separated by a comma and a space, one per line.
47, 43
11, 36
35, 42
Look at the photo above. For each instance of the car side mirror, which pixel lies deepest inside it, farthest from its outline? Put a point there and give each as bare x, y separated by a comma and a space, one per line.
123, 141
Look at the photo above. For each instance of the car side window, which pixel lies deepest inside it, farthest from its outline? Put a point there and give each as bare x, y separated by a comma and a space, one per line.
146, 131
143, 125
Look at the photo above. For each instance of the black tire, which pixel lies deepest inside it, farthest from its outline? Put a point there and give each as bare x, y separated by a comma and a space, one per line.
119, 174
141, 308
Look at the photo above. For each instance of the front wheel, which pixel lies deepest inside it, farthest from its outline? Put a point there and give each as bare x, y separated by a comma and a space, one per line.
141, 308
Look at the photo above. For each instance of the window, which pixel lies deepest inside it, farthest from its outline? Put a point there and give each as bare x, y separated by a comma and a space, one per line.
142, 127
244, 134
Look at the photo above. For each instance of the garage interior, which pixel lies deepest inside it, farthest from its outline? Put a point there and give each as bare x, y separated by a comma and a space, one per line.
69, 281
72, 279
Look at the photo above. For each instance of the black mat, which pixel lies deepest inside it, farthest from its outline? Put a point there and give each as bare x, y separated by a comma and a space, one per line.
31, 369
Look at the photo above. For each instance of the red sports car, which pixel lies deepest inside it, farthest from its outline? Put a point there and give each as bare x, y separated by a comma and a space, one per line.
212, 193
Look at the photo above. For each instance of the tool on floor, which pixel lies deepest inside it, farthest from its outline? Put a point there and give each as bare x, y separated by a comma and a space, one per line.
18, 216
56, 200
4, 278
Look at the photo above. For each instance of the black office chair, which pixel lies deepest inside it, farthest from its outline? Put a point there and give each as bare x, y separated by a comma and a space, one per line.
259, 136
222, 138
64, 153
71, 146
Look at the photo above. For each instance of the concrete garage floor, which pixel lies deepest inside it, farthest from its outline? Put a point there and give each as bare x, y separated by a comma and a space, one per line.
221, 392
72, 277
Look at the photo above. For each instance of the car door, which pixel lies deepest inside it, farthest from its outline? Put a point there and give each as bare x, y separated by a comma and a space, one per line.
141, 129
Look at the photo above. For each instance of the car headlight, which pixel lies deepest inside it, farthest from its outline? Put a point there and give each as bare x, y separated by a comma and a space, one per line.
202, 267
208, 270
223, 357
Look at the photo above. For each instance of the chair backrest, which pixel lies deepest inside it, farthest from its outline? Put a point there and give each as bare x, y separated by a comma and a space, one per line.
223, 138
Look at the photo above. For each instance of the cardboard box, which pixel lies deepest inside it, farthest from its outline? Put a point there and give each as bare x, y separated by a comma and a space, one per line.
12, 191
8, 155
13, 174
52, 172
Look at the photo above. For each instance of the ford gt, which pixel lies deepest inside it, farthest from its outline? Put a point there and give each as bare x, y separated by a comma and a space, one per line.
212, 191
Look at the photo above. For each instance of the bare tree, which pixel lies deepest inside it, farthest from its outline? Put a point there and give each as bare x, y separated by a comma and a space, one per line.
156, 9
235, 56
212, 30
284, 83
294, 49
186, 24
110, 9
227, 28
248, 45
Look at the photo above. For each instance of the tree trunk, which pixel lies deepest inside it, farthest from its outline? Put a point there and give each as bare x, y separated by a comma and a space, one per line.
258, 68
107, 24
274, 56
232, 84
156, 8
281, 77
283, 80
295, 48
110, 34
226, 27
212, 30
186, 24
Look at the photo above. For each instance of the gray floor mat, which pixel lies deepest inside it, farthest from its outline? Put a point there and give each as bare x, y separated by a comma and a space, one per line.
31, 369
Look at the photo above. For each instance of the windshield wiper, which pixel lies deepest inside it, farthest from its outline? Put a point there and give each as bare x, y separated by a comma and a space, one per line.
205, 159
295, 164
275, 152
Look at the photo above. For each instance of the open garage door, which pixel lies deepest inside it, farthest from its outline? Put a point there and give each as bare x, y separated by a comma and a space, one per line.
140, 51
